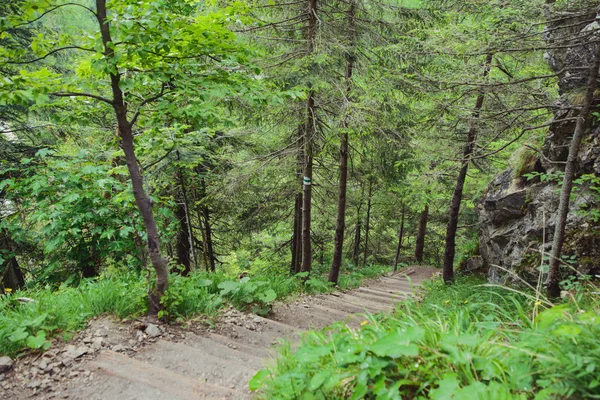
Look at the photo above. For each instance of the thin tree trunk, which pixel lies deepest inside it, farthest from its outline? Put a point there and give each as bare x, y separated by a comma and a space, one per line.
309, 137
294, 241
306, 213
448, 269
144, 203
340, 227
188, 217
204, 249
552, 284
296, 264
183, 243
400, 237
356, 250
420, 243
367, 224
341, 214
210, 254
199, 215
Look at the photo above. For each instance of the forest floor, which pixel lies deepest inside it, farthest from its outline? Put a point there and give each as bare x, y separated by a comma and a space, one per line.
124, 360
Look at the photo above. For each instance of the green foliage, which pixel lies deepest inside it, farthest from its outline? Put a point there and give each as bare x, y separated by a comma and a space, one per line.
66, 309
78, 209
204, 293
31, 325
192, 295
462, 342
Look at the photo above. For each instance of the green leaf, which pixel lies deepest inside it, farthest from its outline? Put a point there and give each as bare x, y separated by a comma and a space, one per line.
228, 287
394, 345
447, 388
567, 330
258, 379
317, 380
204, 282
18, 335
37, 341
6, 182
267, 296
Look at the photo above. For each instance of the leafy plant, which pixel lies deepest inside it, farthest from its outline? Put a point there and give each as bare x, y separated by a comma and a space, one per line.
29, 333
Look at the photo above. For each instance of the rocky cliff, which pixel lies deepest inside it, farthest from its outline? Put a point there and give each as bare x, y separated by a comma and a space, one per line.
517, 216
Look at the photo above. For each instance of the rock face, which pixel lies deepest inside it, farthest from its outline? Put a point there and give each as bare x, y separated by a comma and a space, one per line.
517, 217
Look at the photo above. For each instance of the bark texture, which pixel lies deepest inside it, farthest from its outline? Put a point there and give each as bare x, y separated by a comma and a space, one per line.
182, 249
450, 246
309, 137
420, 242
367, 223
143, 202
340, 227
400, 237
208, 234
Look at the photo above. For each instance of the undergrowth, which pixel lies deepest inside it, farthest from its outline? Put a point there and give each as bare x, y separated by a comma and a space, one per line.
58, 312
466, 341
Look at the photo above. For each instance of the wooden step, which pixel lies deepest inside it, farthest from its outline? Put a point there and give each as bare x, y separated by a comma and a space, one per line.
383, 301
345, 306
391, 295
367, 302
139, 380
199, 364
228, 351
248, 348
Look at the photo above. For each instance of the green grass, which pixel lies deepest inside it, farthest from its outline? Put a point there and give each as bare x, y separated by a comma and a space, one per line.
64, 310
467, 341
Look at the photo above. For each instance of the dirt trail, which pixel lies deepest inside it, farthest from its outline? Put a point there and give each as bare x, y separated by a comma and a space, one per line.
149, 362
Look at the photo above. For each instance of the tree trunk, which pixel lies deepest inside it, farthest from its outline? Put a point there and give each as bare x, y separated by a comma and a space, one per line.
356, 250
183, 242
367, 224
448, 269
294, 241
188, 219
90, 263
400, 237
340, 227
296, 263
309, 137
11, 275
306, 213
210, 254
552, 284
420, 245
199, 216
144, 203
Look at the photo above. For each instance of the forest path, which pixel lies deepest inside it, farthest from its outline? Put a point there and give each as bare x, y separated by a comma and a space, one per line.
218, 363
